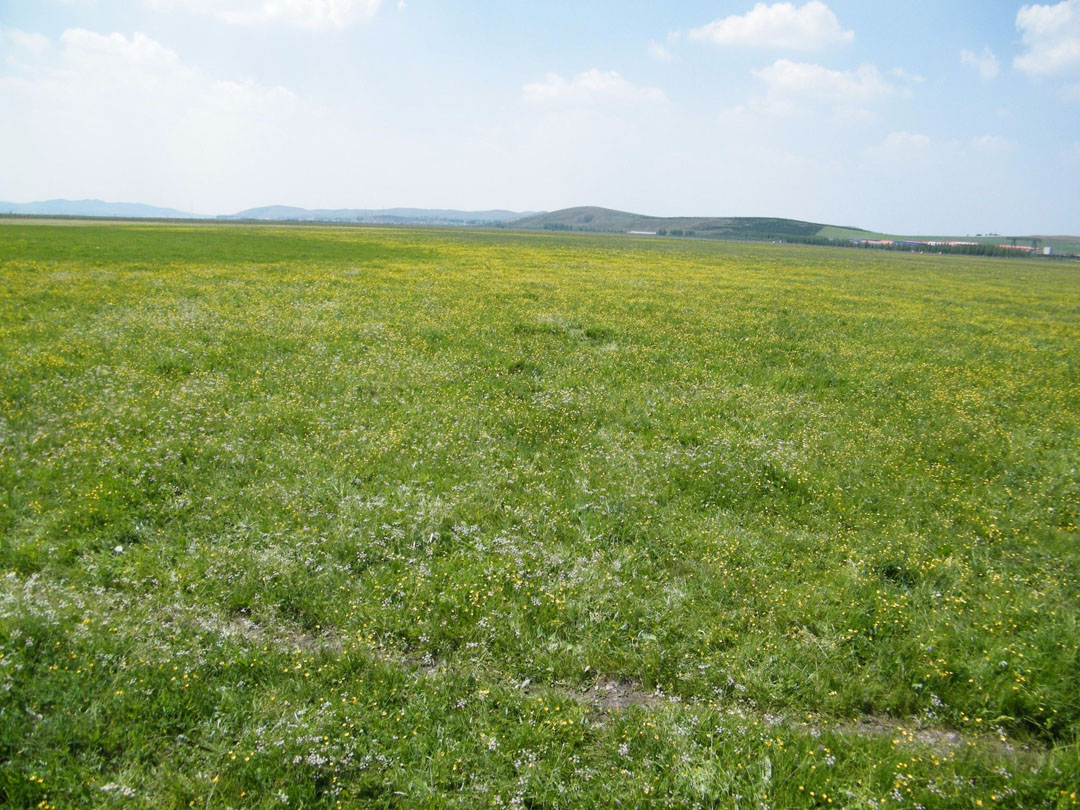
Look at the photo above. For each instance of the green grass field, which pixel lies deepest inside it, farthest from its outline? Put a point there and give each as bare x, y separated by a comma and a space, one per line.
348, 517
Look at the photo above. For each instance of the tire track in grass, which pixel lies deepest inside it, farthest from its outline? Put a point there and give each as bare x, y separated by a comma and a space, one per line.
609, 697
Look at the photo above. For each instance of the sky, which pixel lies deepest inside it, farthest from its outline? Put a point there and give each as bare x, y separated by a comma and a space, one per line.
905, 116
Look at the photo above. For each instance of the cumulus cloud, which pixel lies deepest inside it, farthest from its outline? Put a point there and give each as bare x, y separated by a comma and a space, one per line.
906, 140
791, 85
992, 144
814, 26
907, 76
102, 110
137, 57
912, 146
660, 52
590, 87
901, 145
985, 63
310, 14
1051, 36
136, 73
15, 41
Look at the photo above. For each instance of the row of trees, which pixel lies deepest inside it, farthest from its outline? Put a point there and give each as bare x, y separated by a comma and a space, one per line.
961, 250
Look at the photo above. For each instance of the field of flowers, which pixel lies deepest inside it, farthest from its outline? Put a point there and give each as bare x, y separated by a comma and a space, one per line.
344, 517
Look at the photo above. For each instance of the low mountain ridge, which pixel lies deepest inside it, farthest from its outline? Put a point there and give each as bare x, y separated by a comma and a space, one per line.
384, 216
93, 208
270, 213
592, 219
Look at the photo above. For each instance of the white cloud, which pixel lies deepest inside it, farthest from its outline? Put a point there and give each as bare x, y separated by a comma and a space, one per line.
992, 144
660, 52
1051, 35
791, 85
114, 70
590, 87
906, 140
141, 55
110, 111
14, 40
986, 63
901, 146
136, 75
310, 14
907, 76
913, 146
780, 25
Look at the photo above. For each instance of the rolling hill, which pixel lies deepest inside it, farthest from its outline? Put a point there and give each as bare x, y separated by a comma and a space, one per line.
605, 220
770, 229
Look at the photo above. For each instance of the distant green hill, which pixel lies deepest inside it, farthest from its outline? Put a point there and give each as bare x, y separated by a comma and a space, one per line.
768, 229
605, 220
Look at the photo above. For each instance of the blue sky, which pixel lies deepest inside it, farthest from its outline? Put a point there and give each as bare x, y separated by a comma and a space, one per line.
902, 115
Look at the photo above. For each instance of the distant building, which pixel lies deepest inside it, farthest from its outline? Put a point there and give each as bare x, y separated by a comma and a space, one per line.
642, 233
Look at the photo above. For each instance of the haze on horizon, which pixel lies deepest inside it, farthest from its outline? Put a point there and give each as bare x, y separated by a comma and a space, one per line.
908, 116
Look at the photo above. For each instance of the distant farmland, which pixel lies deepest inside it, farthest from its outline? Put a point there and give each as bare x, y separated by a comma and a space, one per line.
769, 229
321, 517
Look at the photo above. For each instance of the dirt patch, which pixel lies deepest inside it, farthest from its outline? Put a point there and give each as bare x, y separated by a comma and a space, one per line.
280, 636
426, 666
324, 642
939, 739
612, 696
943, 741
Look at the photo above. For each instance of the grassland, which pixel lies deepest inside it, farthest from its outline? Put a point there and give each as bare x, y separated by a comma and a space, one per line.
399, 518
